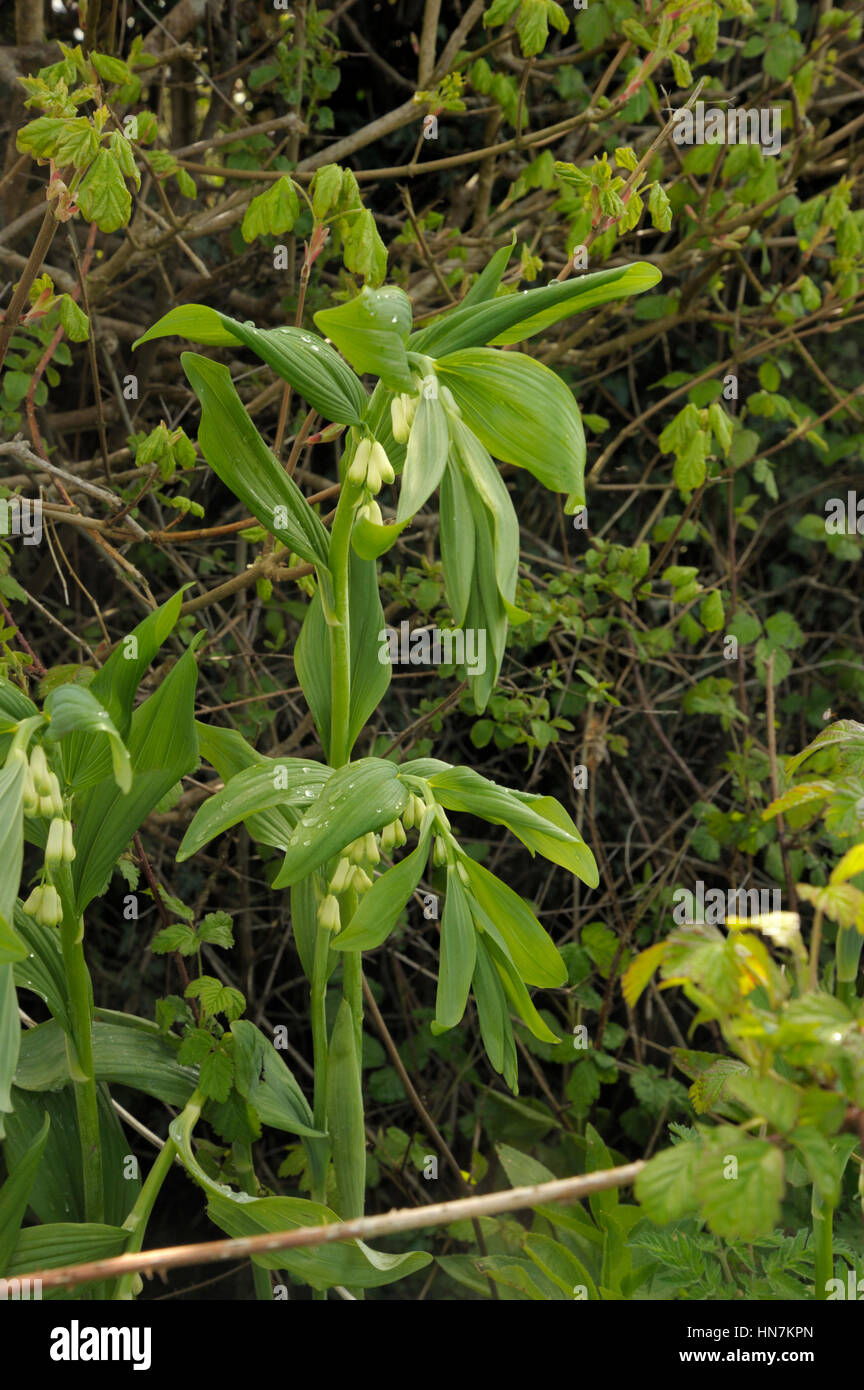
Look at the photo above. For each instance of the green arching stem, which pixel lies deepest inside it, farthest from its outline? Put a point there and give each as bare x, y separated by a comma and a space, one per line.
823, 1244
136, 1221
320, 1047
340, 631
242, 1150
80, 991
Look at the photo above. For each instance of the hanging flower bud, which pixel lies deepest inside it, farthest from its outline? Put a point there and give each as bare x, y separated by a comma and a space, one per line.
34, 902
40, 770
55, 843
46, 807
360, 463
360, 881
399, 420
371, 512
371, 849
68, 842
342, 877
439, 851
419, 811
379, 461
56, 795
392, 836
463, 874
328, 913
51, 913
356, 851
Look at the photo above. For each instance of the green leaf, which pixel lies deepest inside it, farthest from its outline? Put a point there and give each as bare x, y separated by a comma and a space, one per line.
123, 153
494, 1017
12, 947
103, 196
489, 489
666, 1187
370, 333
530, 948
560, 1265
381, 907
286, 782
163, 749
507, 400
514, 318
10, 1038
273, 212
62, 1243
370, 677
276, 1097
739, 1183
197, 322
73, 709
15, 1194
457, 534
485, 287
345, 1115
363, 251
369, 540
238, 455
312, 367
514, 987
425, 457
458, 954
363, 796
75, 322
126, 1052
540, 822
322, 1267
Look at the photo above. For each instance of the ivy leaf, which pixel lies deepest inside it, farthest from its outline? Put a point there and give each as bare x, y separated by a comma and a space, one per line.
103, 196
273, 212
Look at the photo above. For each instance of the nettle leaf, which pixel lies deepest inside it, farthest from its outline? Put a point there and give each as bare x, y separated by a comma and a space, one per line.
216, 1076
176, 937
273, 212
103, 196
215, 998
508, 400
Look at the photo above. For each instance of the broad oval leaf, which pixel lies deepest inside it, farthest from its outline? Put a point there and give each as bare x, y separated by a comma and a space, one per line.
362, 796
521, 411
457, 541
73, 709
310, 365
345, 1115
278, 782
370, 333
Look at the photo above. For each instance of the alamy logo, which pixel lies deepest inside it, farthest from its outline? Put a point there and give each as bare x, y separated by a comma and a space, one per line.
77, 1343
733, 126
433, 646
18, 1289
716, 906
845, 517
20, 516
